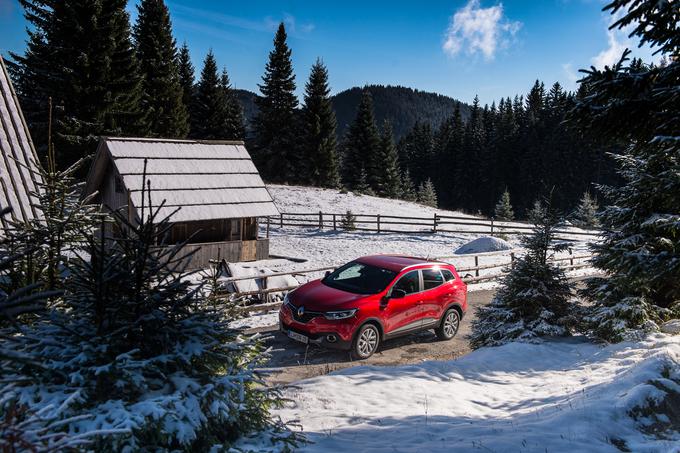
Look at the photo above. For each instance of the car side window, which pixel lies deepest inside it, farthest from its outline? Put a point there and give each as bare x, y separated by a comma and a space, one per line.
432, 278
448, 275
409, 283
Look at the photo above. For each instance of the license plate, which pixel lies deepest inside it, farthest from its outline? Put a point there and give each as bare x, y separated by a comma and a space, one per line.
297, 337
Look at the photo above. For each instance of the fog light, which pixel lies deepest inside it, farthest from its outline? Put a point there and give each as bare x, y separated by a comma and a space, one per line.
331, 338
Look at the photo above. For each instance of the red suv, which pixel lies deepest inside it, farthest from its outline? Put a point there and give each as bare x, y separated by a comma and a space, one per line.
375, 298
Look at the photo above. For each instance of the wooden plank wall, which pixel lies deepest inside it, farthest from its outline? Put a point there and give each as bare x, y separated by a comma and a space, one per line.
229, 251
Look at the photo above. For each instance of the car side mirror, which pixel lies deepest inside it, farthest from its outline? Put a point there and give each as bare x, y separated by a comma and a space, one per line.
327, 273
397, 294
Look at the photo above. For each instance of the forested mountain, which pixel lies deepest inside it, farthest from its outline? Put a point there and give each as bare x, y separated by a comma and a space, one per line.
402, 106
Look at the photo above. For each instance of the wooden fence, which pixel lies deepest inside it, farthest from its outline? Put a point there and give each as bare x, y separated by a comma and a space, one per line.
380, 223
469, 274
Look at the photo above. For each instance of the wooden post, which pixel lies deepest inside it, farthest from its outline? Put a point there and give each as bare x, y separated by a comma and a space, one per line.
281, 219
265, 295
512, 260
269, 219
320, 220
491, 226
434, 223
378, 224
335, 225
571, 257
476, 266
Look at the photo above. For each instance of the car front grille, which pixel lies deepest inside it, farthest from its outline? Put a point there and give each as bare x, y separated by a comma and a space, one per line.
306, 316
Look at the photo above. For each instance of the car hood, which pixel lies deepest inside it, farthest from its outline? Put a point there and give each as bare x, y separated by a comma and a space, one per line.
316, 296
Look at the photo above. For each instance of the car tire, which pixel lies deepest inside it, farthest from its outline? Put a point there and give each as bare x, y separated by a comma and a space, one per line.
448, 328
366, 342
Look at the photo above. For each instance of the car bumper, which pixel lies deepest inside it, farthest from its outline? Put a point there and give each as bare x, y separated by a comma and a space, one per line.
330, 334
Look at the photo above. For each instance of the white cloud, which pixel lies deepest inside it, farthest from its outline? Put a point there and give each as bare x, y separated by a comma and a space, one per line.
619, 40
571, 75
474, 30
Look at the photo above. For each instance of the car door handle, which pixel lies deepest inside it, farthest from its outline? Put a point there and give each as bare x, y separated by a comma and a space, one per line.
420, 302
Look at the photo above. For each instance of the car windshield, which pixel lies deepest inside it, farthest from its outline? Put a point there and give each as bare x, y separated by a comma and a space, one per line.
360, 278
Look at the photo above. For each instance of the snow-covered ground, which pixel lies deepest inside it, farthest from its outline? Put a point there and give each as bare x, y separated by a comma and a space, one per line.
331, 248
558, 396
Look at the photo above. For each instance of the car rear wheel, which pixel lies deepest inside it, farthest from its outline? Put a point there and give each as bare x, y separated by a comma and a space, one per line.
449, 325
366, 342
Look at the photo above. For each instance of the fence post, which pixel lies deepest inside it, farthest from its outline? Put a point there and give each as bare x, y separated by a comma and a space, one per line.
512, 260
491, 226
571, 257
269, 219
434, 223
281, 219
476, 265
265, 295
335, 226
378, 217
320, 220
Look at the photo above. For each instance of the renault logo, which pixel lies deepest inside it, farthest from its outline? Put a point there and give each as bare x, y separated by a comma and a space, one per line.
301, 311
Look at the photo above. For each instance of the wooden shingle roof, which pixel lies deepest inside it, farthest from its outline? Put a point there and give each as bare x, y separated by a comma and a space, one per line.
18, 164
206, 179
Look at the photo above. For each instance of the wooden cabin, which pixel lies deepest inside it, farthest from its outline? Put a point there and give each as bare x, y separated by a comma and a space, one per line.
19, 166
214, 184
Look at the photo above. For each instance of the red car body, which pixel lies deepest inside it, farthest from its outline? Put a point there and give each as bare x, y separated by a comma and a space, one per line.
304, 314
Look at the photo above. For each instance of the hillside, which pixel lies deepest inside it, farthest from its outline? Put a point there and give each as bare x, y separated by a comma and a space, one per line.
401, 105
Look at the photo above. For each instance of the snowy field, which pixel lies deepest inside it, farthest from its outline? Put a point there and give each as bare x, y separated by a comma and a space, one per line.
559, 396
330, 248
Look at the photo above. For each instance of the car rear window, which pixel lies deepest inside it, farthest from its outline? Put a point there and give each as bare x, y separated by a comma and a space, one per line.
432, 278
448, 275
360, 278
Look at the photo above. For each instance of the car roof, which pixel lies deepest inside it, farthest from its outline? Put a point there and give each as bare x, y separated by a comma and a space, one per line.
396, 263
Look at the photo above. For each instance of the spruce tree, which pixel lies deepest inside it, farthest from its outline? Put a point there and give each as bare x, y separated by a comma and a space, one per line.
186, 76
426, 194
233, 123
81, 55
390, 184
216, 113
318, 139
274, 126
535, 298
165, 113
362, 146
639, 104
503, 210
585, 214
408, 189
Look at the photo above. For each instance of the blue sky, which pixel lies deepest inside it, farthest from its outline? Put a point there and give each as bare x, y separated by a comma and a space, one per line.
457, 48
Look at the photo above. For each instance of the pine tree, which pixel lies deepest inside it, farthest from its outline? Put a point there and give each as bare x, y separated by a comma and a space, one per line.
233, 122
362, 185
165, 113
585, 214
426, 194
275, 141
80, 54
408, 189
639, 104
145, 354
318, 140
348, 222
362, 145
215, 114
390, 184
186, 76
503, 210
535, 298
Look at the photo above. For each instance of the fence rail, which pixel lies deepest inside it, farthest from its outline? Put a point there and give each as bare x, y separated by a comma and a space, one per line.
263, 293
380, 223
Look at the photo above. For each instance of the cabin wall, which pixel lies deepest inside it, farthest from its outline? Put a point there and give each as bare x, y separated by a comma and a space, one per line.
234, 251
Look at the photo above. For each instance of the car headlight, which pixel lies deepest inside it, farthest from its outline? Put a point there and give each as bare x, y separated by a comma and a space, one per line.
342, 314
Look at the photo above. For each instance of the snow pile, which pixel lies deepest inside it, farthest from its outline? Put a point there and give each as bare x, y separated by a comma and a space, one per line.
483, 245
555, 396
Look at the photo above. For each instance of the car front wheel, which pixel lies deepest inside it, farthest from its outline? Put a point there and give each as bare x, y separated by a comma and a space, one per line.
366, 342
449, 325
